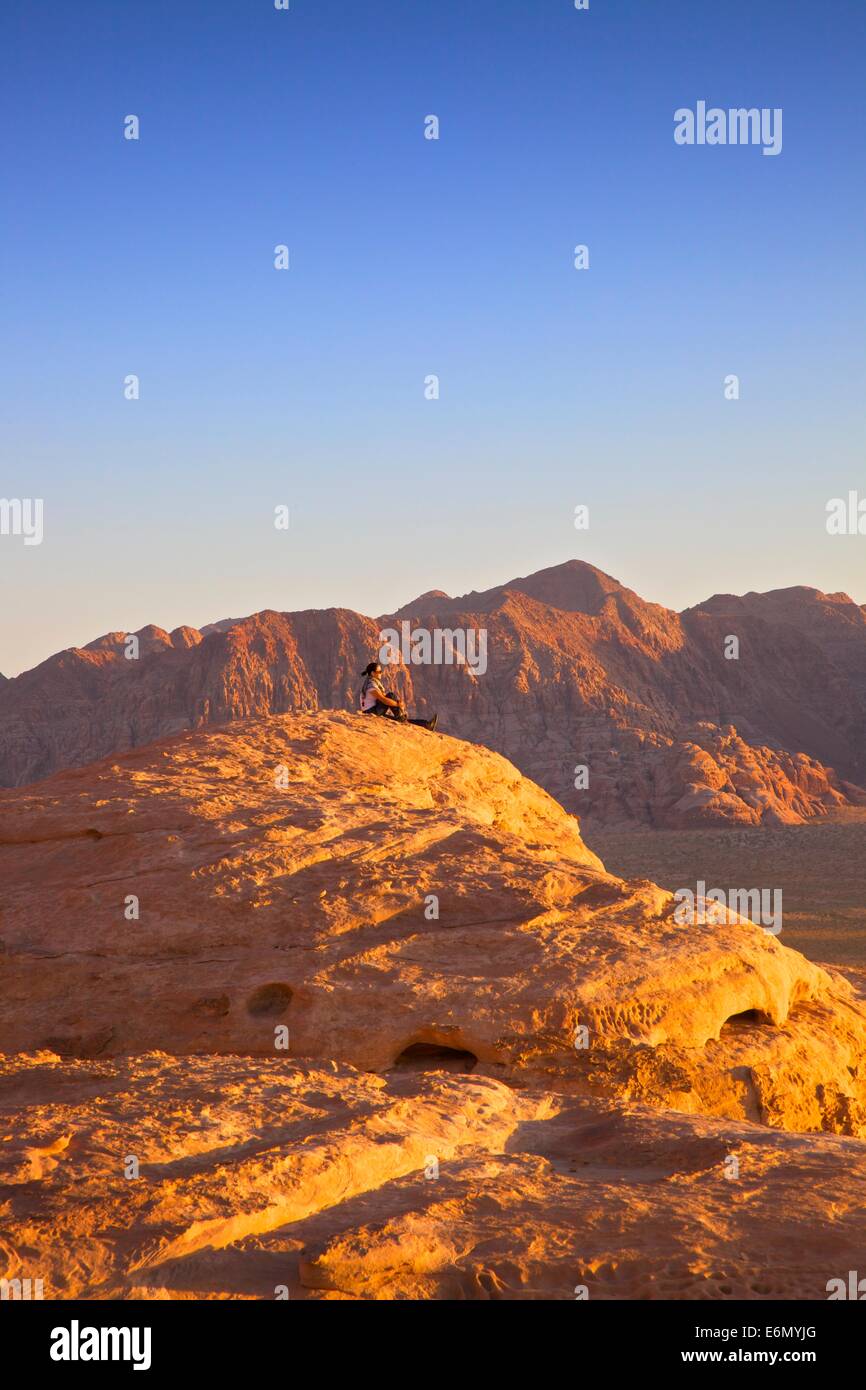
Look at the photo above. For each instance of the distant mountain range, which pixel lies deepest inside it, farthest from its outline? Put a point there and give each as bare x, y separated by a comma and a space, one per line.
581, 673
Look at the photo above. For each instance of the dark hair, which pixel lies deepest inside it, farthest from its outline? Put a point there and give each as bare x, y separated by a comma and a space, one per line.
368, 670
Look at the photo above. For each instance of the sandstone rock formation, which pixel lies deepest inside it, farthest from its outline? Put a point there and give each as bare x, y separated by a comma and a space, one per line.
378, 889
581, 672
260, 1178
318, 1006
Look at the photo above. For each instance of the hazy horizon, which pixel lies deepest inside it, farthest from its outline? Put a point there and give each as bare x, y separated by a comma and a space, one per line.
393, 607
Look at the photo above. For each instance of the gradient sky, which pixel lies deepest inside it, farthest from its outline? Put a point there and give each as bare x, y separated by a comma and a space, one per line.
411, 257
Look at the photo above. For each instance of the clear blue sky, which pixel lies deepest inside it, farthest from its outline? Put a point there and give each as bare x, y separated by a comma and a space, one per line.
411, 257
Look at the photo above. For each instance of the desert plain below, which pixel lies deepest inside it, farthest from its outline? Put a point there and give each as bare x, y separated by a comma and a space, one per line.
819, 866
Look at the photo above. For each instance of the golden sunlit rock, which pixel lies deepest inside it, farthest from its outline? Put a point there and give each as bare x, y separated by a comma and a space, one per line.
327, 1003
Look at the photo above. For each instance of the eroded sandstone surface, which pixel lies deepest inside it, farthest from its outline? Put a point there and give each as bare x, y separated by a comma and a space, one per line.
366, 889
195, 1177
317, 1006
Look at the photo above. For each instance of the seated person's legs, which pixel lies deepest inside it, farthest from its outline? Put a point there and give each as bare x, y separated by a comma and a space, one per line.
398, 714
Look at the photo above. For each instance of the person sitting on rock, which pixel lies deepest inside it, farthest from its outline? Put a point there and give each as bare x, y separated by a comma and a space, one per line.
375, 699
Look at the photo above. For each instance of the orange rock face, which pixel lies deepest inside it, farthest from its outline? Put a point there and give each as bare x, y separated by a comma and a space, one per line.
366, 888
580, 672
319, 1006
199, 1177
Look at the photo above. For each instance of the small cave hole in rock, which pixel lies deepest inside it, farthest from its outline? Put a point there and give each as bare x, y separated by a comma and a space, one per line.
749, 1018
269, 1000
435, 1057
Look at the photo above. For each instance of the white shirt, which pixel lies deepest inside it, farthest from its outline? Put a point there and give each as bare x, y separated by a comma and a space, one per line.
371, 690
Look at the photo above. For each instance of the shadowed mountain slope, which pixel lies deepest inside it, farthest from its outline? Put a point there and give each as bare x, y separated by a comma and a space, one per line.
579, 672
